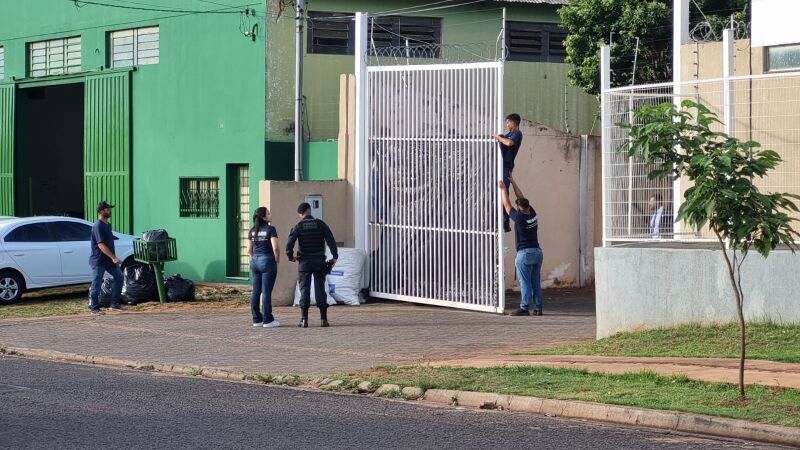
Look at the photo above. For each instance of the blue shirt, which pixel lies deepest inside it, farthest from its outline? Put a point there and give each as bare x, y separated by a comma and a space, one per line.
101, 233
262, 240
510, 152
526, 228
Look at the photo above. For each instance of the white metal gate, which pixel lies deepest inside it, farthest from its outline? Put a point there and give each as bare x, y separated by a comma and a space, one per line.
431, 171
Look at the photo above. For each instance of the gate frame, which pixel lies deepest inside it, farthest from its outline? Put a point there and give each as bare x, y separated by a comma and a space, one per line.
361, 188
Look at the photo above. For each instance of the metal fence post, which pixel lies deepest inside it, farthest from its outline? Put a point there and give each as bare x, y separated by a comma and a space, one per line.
605, 118
362, 140
727, 89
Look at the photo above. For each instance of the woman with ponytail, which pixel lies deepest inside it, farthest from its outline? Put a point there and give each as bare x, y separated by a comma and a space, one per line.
264, 257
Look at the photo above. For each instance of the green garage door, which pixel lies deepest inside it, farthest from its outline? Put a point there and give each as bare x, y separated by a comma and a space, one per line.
107, 146
7, 150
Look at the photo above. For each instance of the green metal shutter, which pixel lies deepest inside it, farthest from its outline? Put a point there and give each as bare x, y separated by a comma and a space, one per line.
107, 146
7, 150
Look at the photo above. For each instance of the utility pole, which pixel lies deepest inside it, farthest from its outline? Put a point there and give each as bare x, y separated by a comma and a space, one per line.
298, 90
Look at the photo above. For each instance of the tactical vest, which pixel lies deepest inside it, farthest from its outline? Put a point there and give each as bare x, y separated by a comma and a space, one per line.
311, 237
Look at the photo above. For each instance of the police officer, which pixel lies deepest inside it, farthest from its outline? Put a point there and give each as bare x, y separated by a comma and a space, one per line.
312, 235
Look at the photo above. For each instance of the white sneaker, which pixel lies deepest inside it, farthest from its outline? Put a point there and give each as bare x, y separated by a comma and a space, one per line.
273, 324
258, 324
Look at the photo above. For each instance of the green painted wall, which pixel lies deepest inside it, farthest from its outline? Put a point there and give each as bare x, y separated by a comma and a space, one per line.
535, 90
200, 108
320, 160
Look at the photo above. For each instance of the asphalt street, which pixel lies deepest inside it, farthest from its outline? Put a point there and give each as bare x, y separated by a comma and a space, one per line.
61, 405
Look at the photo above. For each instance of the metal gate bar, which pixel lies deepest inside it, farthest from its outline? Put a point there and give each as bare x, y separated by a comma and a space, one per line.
433, 222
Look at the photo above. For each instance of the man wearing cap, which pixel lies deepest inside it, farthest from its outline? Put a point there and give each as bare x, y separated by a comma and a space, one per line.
312, 235
103, 259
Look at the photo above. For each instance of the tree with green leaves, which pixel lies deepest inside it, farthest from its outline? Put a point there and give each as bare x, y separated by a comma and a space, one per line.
594, 23
723, 196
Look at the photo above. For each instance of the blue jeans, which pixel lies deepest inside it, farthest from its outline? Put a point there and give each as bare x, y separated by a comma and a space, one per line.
529, 272
97, 282
263, 271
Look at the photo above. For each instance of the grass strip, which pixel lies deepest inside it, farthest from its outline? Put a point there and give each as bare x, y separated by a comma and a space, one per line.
74, 300
765, 404
768, 341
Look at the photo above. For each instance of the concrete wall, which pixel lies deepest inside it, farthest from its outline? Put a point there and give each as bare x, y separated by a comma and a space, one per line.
282, 198
641, 288
774, 22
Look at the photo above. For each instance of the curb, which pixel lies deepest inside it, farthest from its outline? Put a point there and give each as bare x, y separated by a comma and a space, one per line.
667, 420
216, 374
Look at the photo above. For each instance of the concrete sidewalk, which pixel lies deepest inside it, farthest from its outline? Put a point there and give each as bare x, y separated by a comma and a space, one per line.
360, 337
726, 370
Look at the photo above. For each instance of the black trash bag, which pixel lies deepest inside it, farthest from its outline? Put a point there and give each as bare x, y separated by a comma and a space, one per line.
179, 289
155, 235
140, 284
156, 252
105, 294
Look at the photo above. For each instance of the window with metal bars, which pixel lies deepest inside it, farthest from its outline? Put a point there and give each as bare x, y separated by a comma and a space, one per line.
54, 57
2, 63
334, 33
136, 47
330, 33
406, 31
535, 42
199, 197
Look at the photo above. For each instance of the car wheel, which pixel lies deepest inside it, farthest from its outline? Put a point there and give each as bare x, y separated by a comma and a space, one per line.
11, 287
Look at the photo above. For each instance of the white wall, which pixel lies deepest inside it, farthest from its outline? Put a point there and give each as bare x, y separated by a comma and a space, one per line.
774, 22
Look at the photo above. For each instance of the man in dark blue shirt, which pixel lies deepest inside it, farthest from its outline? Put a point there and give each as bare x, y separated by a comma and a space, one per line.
103, 259
529, 255
312, 235
509, 147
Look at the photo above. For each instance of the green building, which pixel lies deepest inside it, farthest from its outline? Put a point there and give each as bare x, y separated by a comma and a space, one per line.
174, 110
159, 112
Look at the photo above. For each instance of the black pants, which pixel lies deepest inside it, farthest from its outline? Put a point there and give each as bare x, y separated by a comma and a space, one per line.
318, 269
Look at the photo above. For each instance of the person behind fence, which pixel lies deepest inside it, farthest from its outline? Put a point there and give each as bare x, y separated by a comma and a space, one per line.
659, 223
529, 254
103, 259
264, 251
312, 234
509, 147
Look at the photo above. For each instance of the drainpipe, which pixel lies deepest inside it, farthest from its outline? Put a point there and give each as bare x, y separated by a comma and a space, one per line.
298, 90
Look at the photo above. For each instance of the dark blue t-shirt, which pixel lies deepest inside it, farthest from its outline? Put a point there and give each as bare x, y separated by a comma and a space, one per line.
510, 152
101, 233
261, 238
526, 228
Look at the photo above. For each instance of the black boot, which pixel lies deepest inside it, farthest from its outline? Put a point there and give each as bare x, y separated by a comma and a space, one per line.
323, 317
304, 318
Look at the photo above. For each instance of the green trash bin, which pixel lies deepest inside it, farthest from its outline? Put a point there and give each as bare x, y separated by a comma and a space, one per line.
156, 253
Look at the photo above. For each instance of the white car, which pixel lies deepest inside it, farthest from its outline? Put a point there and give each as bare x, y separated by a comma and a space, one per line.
40, 252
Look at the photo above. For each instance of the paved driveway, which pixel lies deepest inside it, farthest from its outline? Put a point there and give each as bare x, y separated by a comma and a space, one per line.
360, 337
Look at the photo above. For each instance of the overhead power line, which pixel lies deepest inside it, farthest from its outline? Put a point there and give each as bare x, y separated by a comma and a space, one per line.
226, 10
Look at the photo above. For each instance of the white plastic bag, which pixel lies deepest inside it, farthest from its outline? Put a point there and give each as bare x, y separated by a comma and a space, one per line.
347, 277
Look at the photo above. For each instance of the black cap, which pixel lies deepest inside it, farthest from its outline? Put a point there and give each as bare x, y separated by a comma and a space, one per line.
103, 205
303, 208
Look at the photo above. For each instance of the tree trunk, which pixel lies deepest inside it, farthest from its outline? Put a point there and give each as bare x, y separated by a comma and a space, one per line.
739, 310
